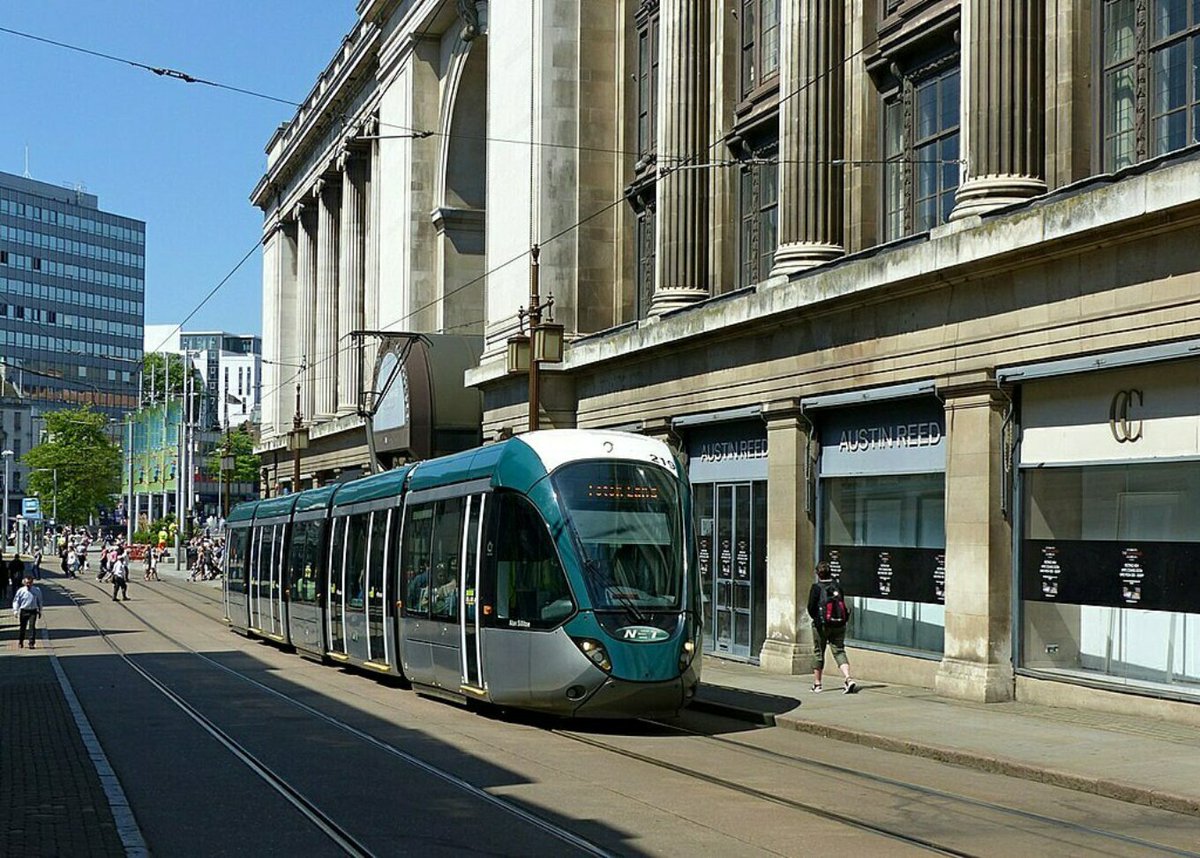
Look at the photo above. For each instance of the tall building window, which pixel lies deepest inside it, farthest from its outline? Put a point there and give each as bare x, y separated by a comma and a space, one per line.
758, 199
760, 43
921, 150
645, 260
1150, 72
647, 77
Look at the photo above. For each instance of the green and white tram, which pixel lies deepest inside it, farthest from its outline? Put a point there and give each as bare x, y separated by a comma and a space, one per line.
554, 571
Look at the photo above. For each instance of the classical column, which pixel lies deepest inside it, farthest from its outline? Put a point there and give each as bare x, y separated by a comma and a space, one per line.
325, 366
791, 541
306, 309
681, 252
977, 663
811, 129
272, 301
351, 248
371, 320
1003, 98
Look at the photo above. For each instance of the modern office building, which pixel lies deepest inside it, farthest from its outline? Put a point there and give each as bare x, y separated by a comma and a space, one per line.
72, 286
911, 285
230, 364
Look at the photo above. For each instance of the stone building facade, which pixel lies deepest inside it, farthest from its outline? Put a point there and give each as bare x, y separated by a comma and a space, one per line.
910, 284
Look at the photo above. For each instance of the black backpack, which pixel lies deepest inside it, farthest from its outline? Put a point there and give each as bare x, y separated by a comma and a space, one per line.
831, 605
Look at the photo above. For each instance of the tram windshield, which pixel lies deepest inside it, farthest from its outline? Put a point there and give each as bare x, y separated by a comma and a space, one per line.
626, 518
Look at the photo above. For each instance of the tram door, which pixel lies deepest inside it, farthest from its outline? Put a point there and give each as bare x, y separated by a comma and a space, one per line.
335, 594
255, 564
377, 560
472, 554
732, 583
276, 622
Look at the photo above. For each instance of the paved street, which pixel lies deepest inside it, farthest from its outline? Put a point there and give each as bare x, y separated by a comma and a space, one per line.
341, 763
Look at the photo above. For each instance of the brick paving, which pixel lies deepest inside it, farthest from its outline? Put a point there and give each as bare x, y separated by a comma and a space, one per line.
51, 798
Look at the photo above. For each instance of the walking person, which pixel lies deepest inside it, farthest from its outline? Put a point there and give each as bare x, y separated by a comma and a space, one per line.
118, 571
14, 571
829, 612
152, 563
37, 562
27, 608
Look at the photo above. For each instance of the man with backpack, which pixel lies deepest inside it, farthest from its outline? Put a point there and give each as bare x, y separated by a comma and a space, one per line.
829, 612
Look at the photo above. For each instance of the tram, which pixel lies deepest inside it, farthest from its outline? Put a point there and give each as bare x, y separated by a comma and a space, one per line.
554, 571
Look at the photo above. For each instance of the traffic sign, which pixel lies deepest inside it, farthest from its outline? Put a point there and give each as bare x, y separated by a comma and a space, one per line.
31, 507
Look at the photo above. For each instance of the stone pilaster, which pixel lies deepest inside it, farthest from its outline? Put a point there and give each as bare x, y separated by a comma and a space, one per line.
791, 540
1003, 99
272, 301
306, 309
681, 252
811, 135
325, 366
351, 284
977, 664
371, 304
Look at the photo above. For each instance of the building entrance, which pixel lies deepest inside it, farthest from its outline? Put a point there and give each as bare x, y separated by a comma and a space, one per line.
732, 541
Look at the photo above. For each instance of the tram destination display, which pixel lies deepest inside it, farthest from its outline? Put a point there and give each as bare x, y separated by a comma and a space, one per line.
1152, 576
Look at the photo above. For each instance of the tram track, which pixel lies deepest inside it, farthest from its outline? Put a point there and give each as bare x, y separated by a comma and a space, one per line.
826, 812
323, 822
930, 792
800, 763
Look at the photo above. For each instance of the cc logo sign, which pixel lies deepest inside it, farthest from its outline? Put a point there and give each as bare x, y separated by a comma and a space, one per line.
1124, 428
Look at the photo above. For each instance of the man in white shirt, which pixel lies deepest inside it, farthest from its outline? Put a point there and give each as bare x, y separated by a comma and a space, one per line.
27, 607
119, 573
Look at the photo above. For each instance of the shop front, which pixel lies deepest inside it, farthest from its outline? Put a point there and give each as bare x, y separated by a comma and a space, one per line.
1109, 543
727, 466
881, 514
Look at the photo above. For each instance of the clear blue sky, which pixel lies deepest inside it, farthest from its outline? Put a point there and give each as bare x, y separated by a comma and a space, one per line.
182, 157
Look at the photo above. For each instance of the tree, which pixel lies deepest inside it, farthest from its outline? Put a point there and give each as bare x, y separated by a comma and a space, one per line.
87, 462
238, 443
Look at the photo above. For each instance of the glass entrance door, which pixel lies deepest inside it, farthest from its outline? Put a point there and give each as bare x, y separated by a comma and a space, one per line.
732, 582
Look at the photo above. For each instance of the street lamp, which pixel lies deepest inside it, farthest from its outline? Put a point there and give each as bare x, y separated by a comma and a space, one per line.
7, 454
544, 343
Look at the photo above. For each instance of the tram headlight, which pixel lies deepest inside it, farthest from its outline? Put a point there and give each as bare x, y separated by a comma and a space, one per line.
687, 654
595, 652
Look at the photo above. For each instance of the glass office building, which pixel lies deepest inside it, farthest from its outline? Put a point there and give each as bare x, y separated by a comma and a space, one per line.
72, 289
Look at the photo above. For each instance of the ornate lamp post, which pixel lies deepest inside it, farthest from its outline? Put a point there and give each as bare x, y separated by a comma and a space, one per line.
544, 344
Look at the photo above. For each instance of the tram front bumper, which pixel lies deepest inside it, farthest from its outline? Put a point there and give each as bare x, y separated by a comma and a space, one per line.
616, 698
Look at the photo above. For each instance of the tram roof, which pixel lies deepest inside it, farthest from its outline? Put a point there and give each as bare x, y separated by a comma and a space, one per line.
242, 512
374, 487
272, 507
314, 498
520, 462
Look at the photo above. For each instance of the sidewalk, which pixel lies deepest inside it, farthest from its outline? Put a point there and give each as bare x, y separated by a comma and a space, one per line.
1138, 760
52, 800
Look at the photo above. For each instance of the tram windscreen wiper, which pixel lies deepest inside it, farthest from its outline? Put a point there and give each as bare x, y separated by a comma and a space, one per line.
614, 590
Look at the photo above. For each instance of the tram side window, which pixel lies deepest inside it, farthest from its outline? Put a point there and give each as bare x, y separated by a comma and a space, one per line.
303, 561
356, 558
414, 559
239, 542
337, 555
525, 578
375, 555
445, 559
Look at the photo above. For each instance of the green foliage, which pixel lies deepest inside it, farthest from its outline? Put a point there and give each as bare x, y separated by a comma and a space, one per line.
87, 462
238, 443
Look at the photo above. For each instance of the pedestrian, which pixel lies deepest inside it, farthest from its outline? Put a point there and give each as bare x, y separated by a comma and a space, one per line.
829, 612
15, 573
81, 555
152, 563
118, 572
71, 563
37, 562
27, 608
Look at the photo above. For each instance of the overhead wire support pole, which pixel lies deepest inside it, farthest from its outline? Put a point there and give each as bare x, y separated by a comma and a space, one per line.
535, 321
